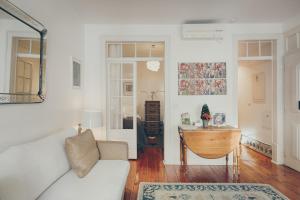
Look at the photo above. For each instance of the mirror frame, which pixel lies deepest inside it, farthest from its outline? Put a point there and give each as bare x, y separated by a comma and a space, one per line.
17, 13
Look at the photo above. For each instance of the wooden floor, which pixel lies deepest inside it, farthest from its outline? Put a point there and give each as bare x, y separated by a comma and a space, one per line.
255, 168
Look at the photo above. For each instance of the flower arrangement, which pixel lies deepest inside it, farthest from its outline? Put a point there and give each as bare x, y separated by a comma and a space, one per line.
205, 114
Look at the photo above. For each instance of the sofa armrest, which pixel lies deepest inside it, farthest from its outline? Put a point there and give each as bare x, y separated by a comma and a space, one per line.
113, 150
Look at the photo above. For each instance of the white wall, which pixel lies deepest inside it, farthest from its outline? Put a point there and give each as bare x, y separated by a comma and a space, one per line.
148, 81
291, 23
255, 119
178, 50
20, 123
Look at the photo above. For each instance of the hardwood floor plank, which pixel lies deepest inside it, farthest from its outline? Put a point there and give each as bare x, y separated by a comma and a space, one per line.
255, 168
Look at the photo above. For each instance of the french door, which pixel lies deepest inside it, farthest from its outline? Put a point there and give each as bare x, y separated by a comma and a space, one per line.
121, 102
292, 110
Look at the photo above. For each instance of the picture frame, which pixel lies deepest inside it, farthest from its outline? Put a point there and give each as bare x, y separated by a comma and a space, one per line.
185, 119
219, 119
202, 78
127, 88
76, 68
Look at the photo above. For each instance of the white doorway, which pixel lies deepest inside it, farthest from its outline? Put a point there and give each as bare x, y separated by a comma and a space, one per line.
256, 91
123, 94
151, 106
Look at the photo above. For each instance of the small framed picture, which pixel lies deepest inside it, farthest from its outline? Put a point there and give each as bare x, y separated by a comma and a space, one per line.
76, 73
219, 119
185, 119
127, 88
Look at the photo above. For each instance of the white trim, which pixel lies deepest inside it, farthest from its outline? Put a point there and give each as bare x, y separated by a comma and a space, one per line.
287, 35
276, 163
277, 129
256, 58
27, 55
136, 59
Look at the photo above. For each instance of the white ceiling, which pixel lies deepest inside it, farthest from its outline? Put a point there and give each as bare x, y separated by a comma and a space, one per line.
167, 11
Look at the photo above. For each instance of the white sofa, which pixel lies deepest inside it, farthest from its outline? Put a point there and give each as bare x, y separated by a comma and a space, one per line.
40, 170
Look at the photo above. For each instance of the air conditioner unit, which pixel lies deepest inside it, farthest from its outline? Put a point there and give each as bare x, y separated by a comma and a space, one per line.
203, 31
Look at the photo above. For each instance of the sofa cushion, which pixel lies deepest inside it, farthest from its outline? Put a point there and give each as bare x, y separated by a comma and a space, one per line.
82, 152
106, 181
27, 170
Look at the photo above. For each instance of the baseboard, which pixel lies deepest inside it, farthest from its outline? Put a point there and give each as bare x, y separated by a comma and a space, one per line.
258, 146
276, 163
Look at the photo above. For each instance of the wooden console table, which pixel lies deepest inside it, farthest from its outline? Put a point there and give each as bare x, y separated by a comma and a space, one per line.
211, 143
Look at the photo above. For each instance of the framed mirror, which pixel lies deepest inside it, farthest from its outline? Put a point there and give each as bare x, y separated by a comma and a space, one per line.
22, 56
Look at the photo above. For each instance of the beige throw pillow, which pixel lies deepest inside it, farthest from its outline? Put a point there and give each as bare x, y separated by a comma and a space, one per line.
82, 152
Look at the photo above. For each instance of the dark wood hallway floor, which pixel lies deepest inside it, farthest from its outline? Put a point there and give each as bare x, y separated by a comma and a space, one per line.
255, 168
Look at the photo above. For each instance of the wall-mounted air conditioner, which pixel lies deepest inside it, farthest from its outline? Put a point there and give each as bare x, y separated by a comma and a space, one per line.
203, 31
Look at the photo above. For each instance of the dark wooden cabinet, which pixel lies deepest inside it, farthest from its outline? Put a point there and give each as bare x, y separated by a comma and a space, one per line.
153, 126
152, 117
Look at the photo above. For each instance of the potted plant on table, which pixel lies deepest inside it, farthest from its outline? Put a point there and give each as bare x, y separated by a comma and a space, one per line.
205, 115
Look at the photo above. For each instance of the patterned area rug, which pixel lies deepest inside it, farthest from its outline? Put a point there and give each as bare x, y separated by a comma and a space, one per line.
208, 191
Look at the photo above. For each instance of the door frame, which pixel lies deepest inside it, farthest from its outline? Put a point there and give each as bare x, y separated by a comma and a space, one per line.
291, 125
278, 109
167, 77
289, 161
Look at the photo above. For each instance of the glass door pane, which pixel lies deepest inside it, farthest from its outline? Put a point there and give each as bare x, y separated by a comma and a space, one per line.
115, 95
127, 71
114, 50
127, 100
121, 96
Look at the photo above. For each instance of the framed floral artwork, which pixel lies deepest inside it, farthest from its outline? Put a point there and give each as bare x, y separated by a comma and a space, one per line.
202, 78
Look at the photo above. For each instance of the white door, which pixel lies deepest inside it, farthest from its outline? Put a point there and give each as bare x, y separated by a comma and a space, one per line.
122, 104
23, 77
292, 110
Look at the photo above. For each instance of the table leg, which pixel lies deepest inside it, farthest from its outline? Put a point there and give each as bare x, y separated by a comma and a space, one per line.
226, 159
181, 153
184, 155
234, 165
238, 162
